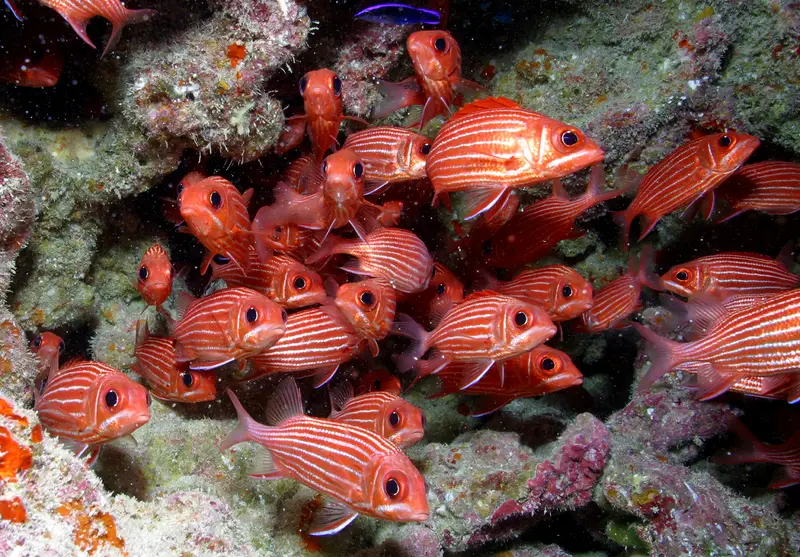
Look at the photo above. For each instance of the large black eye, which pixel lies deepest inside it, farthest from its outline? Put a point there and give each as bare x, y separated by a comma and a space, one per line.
425, 149
358, 170
548, 364
569, 138
221, 259
440, 44
337, 86
376, 386
324, 167
392, 488
394, 419
37, 342
521, 319
187, 379
284, 315
180, 189
682, 275
299, 283
61, 347
441, 289
112, 399
44, 384
725, 141
567, 291
252, 315
367, 298
144, 272
216, 199
303, 85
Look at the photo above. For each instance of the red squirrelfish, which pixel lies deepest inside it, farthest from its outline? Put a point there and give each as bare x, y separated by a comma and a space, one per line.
47, 347
394, 254
285, 238
78, 14
752, 450
230, 324
704, 310
382, 412
154, 276
390, 154
732, 273
493, 146
359, 470
534, 232
89, 403
167, 378
684, 176
561, 291
216, 214
369, 306
33, 67
485, 328
281, 278
432, 304
379, 380
437, 64
617, 300
769, 186
537, 372
316, 342
762, 340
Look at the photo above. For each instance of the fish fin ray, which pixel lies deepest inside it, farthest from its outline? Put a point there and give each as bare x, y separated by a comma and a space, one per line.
322, 375
183, 300
241, 432
331, 518
263, 467
485, 104
396, 96
711, 383
131, 17
286, 402
489, 404
479, 200
663, 354
474, 372
340, 395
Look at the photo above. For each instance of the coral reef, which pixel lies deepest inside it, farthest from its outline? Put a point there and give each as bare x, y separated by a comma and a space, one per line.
16, 212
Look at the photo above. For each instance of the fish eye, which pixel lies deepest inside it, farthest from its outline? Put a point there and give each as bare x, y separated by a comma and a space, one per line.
567, 291
37, 342
425, 149
376, 386
521, 319
187, 379
180, 189
367, 298
392, 488
252, 315
112, 399
337, 86
144, 272
44, 385
440, 44
682, 275
394, 419
299, 283
358, 170
61, 347
725, 141
548, 364
216, 199
221, 259
569, 138
441, 289
303, 85
284, 315
325, 167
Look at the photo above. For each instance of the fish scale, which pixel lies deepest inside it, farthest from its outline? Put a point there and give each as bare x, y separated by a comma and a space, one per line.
769, 186
390, 154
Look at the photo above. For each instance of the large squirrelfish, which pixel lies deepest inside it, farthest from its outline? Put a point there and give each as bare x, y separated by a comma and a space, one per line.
769, 186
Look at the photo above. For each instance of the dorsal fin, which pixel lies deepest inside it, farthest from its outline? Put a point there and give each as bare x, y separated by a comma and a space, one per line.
285, 402
340, 395
485, 104
182, 303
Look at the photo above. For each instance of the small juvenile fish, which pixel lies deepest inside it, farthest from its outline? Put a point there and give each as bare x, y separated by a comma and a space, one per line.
47, 347
394, 254
79, 13
216, 214
359, 470
432, 304
534, 373
230, 324
534, 232
399, 14
381, 412
379, 380
369, 306
618, 299
485, 328
167, 378
732, 273
770, 186
88, 403
492, 146
154, 276
390, 154
688, 173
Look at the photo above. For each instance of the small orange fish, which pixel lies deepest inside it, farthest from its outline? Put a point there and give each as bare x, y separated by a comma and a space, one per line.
390, 154
78, 14
769, 186
379, 380
360, 471
369, 306
47, 347
432, 304
155, 276
35, 68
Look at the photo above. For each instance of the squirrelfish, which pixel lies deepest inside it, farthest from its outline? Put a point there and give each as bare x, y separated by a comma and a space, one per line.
769, 186
432, 304
390, 154
230, 324
360, 471
47, 347
370, 306
154, 276
492, 146
32, 65
379, 380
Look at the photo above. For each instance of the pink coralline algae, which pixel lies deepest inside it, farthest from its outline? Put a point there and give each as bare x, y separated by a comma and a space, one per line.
16, 212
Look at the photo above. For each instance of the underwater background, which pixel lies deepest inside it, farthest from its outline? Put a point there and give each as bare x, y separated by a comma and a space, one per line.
92, 151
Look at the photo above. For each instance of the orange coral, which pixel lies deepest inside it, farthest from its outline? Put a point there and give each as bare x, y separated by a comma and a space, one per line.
13, 456
93, 528
36, 433
13, 510
236, 53
8, 411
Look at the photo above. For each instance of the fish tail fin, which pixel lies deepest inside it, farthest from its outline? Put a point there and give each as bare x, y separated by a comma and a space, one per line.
747, 449
594, 190
130, 17
405, 326
241, 432
623, 220
664, 355
396, 96
645, 275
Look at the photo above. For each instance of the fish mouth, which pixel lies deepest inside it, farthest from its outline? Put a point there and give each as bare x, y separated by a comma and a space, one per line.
418, 517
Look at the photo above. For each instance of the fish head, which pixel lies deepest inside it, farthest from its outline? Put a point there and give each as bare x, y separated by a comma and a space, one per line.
435, 54
571, 295
379, 380
558, 149
369, 305
322, 94
725, 152
413, 155
209, 207
402, 423
120, 406
553, 369
154, 275
394, 489
297, 286
446, 290
522, 327
256, 322
47, 345
344, 178
194, 385
684, 279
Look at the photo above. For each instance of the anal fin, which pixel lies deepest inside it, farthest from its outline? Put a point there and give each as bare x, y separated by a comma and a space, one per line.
331, 518
263, 466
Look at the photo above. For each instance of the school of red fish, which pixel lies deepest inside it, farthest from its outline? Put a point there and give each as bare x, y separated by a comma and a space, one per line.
287, 308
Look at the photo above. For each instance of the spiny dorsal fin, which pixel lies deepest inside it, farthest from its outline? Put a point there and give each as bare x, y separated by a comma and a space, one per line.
489, 103
286, 402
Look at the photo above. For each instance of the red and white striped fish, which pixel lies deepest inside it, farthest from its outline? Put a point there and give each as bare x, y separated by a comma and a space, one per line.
381, 412
536, 372
704, 310
560, 290
316, 342
432, 304
769, 186
281, 278
230, 324
370, 306
216, 214
360, 471
732, 273
762, 340
492, 146
485, 328
154, 276
394, 254
88, 403
79, 13
47, 347
167, 378
617, 300
390, 154
688, 173
379, 380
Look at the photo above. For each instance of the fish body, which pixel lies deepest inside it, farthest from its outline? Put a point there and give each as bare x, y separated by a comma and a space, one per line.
390, 154
154, 276
770, 186
370, 306
29, 68
560, 290
443, 291
379, 380
47, 347
361, 472
684, 176
285, 238
492, 146
230, 324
